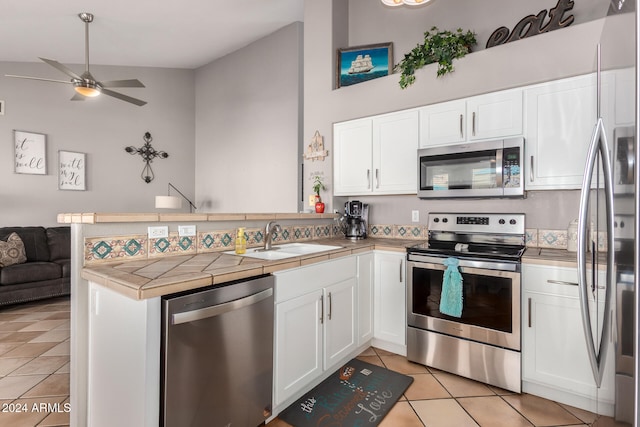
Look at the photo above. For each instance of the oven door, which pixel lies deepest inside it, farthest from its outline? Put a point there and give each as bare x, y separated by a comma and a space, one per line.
491, 302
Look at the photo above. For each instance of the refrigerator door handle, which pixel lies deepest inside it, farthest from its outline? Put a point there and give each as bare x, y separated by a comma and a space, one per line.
597, 146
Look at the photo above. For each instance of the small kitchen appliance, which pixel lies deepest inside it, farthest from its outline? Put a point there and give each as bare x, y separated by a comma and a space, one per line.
355, 220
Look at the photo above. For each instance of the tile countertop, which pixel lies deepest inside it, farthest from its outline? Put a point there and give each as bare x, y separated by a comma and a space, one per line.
150, 278
556, 257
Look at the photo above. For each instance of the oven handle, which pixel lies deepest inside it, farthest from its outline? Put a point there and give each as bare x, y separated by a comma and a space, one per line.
426, 261
463, 269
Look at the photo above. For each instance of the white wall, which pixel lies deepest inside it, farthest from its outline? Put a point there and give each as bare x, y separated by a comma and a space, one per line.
101, 128
248, 126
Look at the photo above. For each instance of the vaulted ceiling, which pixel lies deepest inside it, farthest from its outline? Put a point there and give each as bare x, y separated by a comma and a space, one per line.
149, 33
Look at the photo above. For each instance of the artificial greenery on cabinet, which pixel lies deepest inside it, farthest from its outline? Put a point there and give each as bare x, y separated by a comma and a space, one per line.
441, 46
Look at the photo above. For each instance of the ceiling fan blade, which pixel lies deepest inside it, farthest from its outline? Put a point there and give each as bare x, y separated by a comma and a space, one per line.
60, 67
123, 97
38, 78
122, 83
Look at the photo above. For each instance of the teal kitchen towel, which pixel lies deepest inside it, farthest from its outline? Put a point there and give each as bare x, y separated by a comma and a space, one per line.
451, 297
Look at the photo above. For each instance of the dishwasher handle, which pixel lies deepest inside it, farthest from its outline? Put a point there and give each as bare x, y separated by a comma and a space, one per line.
217, 310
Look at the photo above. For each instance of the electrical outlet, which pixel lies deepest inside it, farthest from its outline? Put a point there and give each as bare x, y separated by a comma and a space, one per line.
415, 216
312, 200
158, 232
186, 230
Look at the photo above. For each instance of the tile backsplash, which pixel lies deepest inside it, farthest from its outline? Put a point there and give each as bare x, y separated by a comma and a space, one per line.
133, 247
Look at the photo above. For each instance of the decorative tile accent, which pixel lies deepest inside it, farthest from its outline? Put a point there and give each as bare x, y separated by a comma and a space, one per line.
323, 231
531, 237
384, 231
409, 232
555, 239
304, 232
172, 245
111, 248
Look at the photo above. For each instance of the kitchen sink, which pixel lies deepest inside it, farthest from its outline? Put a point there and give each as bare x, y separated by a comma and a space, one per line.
287, 250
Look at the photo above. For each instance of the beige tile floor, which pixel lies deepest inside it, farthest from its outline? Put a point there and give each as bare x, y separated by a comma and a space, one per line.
34, 364
34, 383
439, 399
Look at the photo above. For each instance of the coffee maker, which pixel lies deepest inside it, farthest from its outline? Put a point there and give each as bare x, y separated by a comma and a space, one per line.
355, 220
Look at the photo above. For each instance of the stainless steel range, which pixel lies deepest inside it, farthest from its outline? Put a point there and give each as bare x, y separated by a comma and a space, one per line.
483, 343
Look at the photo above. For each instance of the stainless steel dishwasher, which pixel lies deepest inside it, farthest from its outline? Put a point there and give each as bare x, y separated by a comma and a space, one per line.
217, 355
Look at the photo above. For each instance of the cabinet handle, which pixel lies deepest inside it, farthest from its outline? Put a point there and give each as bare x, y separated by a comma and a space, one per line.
561, 282
368, 178
531, 170
377, 178
401, 271
330, 306
461, 126
529, 310
473, 124
321, 309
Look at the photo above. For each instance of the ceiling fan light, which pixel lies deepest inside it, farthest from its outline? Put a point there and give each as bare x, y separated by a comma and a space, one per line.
416, 2
392, 2
87, 91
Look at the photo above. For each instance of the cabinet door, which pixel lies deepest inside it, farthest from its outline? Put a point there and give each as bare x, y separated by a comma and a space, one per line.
352, 174
495, 115
395, 147
298, 352
339, 321
554, 350
560, 120
442, 124
365, 298
390, 311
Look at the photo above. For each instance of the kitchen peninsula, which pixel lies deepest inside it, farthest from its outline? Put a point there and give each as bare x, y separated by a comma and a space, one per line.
120, 275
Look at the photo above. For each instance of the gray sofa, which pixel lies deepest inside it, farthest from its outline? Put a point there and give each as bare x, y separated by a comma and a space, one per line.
47, 271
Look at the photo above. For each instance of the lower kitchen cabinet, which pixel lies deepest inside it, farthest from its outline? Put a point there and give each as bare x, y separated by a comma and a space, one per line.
390, 312
365, 297
315, 327
555, 363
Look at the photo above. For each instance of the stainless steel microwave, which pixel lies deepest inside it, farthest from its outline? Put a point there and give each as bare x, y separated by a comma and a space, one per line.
474, 169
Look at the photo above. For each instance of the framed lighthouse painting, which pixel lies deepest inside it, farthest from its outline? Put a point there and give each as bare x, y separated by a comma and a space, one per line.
361, 63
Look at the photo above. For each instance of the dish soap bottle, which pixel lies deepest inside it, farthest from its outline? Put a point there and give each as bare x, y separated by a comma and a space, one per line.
241, 241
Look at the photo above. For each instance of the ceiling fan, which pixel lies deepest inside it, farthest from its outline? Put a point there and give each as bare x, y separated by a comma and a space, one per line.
85, 84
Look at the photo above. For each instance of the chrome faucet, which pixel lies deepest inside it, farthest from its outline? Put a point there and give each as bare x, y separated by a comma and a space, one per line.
268, 234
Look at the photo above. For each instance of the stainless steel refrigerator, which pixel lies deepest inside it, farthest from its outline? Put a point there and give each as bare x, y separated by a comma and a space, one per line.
608, 216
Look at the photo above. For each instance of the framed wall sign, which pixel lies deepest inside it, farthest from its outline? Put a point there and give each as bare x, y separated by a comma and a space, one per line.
361, 63
30, 155
71, 170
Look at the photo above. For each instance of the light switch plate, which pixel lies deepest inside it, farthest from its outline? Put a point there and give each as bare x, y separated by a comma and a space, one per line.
186, 230
415, 216
158, 232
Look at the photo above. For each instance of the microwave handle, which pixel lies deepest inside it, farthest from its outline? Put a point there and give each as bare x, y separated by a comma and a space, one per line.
499, 168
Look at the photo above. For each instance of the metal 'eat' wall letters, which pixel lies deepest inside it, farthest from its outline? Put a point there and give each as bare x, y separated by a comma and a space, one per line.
532, 25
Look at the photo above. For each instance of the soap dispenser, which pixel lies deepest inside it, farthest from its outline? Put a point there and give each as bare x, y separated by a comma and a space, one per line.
241, 241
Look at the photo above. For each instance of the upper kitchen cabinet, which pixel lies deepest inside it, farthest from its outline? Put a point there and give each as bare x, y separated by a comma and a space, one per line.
493, 115
376, 155
561, 116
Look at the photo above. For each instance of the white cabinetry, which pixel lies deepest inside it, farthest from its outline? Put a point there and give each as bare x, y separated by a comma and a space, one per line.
494, 115
376, 155
365, 297
390, 313
315, 327
123, 361
560, 119
555, 363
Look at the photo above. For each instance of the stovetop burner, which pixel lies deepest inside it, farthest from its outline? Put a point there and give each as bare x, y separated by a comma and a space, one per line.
483, 236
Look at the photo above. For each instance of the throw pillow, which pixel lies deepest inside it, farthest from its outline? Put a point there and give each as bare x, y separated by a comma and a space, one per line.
12, 251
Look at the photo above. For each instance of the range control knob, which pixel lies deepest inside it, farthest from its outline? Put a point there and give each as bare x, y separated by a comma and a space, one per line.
436, 219
502, 221
445, 220
512, 222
